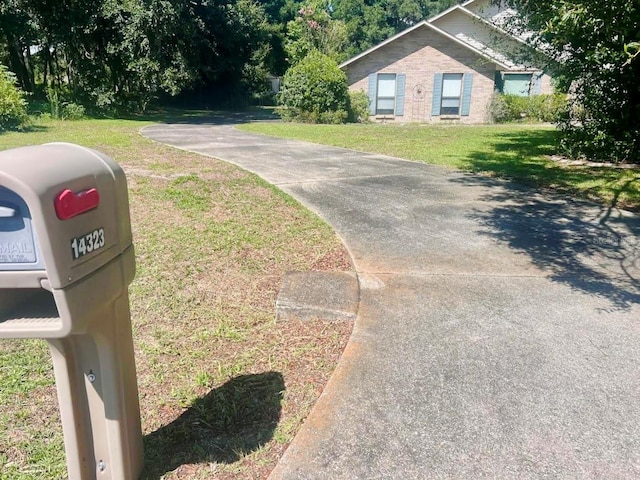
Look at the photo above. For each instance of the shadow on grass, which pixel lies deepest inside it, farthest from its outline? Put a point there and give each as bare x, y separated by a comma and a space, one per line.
206, 117
32, 128
221, 427
35, 128
522, 156
518, 156
592, 248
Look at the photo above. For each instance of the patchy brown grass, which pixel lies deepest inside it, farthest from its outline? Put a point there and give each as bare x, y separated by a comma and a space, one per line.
223, 386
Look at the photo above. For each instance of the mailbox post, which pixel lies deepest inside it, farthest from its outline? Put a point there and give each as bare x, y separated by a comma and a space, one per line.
66, 261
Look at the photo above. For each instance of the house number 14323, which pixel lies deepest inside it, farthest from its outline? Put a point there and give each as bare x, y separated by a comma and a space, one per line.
85, 244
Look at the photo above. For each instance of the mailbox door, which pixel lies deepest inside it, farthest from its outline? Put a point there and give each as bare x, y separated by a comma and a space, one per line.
18, 240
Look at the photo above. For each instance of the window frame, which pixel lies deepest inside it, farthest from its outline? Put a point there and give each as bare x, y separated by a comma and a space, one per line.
448, 110
522, 74
386, 111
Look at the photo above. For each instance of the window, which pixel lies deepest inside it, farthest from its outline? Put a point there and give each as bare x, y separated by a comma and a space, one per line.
517, 84
451, 93
386, 98
386, 93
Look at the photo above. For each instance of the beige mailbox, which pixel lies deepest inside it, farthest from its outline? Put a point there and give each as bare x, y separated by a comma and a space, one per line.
66, 261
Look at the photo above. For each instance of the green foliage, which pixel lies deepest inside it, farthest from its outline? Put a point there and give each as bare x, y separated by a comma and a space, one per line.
13, 107
536, 108
109, 54
73, 111
53, 96
314, 91
358, 107
334, 117
595, 46
314, 29
60, 107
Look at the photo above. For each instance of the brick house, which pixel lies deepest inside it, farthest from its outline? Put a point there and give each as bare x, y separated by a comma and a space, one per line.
446, 68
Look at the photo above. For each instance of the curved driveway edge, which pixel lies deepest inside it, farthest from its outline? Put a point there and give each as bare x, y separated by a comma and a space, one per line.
498, 334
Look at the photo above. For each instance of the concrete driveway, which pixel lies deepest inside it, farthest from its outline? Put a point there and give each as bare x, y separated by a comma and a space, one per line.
498, 333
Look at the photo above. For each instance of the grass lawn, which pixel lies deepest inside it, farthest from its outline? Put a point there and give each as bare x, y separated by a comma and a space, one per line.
223, 386
517, 152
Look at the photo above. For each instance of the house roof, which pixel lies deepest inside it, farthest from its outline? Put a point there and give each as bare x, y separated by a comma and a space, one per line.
496, 22
445, 13
476, 46
466, 11
475, 42
482, 52
461, 6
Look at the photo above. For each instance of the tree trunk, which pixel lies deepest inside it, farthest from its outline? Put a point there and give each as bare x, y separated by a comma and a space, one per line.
30, 68
18, 64
46, 55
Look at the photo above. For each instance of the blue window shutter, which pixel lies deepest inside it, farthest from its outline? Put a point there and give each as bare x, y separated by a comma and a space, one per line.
401, 80
437, 94
466, 94
536, 83
373, 93
499, 83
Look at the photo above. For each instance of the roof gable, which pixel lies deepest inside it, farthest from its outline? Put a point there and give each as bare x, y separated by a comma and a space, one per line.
480, 33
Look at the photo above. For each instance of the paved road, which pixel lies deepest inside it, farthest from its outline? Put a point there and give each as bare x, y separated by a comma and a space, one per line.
498, 334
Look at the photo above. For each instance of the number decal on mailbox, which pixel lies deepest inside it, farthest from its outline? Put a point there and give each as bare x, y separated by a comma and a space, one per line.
85, 244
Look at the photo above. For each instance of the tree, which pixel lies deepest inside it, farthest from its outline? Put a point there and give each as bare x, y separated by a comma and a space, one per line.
13, 108
315, 90
113, 52
315, 30
17, 32
594, 47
